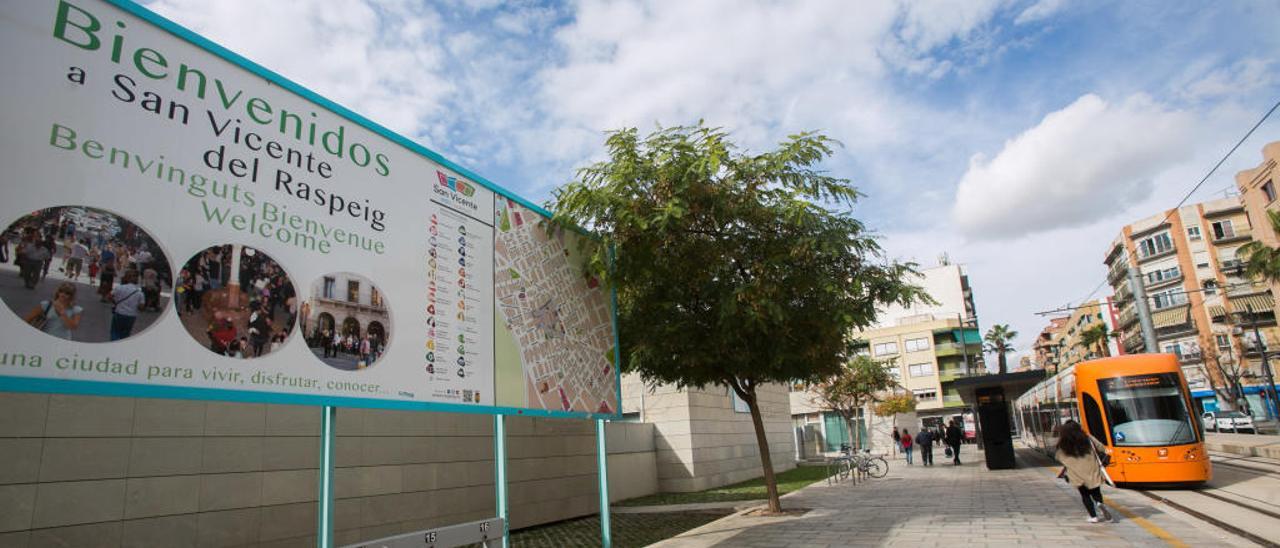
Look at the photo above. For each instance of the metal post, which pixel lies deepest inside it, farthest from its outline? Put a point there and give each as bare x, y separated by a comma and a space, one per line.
964, 344
324, 533
602, 468
500, 476
1144, 311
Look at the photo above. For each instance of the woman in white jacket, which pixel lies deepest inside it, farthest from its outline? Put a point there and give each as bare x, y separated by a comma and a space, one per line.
1078, 453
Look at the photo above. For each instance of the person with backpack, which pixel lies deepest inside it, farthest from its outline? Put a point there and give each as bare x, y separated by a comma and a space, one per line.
1081, 458
953, 438
906, 445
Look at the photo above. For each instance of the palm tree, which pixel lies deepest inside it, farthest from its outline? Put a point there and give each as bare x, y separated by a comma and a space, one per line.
998, 340
1096, 337
1260, 260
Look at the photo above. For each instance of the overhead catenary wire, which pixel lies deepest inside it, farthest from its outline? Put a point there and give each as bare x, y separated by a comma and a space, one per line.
1188, 195
1120, 302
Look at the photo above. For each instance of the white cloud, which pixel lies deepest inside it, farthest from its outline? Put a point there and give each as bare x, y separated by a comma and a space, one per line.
1079, 164
1039, 11
1239, 78
384, 62
759, 68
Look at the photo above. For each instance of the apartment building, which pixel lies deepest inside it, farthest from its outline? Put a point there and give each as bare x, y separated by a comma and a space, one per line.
1186, 261
1258, 194
930, 346
1062, 344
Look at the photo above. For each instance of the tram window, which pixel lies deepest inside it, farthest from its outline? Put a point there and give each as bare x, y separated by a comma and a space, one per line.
1093, 417
1147, 410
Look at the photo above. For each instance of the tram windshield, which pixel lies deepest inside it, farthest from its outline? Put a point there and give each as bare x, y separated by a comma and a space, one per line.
1147, 410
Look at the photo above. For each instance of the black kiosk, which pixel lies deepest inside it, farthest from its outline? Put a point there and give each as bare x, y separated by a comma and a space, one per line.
992, 397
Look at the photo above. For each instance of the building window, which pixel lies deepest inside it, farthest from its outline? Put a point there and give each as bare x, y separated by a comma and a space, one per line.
1210, 287
375, 297
916, 345
353, 291
926, 394
1223, 229
1269, 190
920, 369
328, 288
1224, 342
1157, 276
1193, 233
1155, 245
1172, 297
883, 349
1174, 348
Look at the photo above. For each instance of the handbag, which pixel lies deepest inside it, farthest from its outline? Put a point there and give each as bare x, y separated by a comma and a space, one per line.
947, 452
1106, 478
43, 320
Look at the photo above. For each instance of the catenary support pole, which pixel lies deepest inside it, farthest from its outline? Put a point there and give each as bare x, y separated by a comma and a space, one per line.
324, 533
1143, 308
500, 475
602, 467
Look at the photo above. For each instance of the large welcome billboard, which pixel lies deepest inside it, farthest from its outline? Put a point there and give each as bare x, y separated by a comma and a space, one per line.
180, 222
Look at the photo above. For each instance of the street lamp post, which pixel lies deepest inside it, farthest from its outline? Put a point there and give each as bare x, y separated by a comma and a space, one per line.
1270, 388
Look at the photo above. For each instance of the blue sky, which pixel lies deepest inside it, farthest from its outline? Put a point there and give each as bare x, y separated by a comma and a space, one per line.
1017, 136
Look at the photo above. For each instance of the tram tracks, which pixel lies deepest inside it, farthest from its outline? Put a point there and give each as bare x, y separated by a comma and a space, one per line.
1202, 516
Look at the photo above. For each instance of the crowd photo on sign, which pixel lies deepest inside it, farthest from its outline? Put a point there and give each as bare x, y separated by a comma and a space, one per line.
83, 274
345, 321
236, 301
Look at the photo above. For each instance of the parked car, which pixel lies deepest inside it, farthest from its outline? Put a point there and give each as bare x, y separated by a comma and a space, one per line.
1228, 421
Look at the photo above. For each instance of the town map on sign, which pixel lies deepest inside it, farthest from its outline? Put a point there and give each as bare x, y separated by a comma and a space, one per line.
558, 317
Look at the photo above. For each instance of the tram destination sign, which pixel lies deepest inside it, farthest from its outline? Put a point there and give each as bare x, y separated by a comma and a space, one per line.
181, 222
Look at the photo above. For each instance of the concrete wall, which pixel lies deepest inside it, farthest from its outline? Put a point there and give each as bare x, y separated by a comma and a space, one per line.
95, 471
703, 443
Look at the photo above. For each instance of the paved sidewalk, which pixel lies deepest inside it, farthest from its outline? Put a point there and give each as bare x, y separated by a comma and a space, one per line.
949, 506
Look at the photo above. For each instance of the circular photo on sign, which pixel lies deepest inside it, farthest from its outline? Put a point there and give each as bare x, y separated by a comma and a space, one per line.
345, 321
83, 274
236, 301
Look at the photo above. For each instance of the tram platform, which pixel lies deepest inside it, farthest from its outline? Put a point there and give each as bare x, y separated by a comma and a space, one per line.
968, 505
1245, 445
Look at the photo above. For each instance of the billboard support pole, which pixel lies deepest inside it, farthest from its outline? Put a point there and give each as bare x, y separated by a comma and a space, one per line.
602, 469
324, 532
500, 475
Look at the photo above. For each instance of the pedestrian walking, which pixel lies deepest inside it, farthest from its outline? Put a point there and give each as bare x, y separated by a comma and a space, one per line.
106, 272
1080, 455
906, 445
59, 316
30, 256
953, 437
126, 300
897, 440
925, 441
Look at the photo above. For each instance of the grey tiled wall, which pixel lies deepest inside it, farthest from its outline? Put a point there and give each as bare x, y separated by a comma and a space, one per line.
96, 471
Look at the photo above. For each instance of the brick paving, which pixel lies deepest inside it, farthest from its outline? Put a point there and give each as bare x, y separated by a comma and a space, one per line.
953, 506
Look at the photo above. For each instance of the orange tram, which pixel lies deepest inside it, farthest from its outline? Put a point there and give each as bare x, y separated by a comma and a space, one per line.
1138, 405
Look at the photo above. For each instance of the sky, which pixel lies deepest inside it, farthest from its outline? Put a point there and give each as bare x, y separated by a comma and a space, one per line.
1015, 136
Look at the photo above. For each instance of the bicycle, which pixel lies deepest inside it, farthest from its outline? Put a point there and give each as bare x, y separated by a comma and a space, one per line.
872, 465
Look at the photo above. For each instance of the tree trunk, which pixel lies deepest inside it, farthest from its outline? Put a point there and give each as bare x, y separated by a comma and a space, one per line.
766, 460
1003, 365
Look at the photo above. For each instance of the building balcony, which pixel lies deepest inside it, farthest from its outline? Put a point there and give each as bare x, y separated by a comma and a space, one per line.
1133, 342
1144, 258
1187, 358
952, 401
1242, 288
1163, 283
1128, 317
348, 305
1117, 270
1237, 235
950, 349
947, 374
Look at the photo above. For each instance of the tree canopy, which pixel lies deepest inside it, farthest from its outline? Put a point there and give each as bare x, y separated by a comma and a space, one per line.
731, 269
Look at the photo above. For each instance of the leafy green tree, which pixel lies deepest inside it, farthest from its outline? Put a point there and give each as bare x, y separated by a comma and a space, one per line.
1096, 337
894, 405
861, 382
1261, 261
999, 339
731, 269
